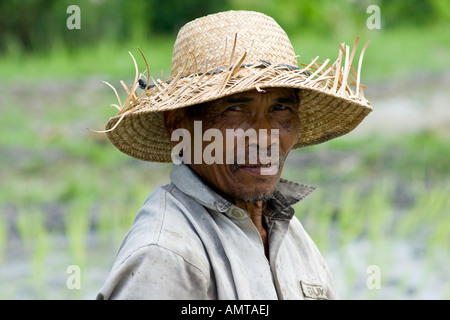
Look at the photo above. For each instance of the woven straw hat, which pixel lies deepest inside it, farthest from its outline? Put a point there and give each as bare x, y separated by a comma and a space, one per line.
232, 52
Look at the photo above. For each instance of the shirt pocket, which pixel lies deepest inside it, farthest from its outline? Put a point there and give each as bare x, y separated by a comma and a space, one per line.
313, 291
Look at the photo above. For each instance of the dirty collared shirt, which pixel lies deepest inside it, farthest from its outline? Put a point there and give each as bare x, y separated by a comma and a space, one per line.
188, 242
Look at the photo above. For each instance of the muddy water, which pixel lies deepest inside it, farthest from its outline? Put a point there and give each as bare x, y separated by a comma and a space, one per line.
418, 103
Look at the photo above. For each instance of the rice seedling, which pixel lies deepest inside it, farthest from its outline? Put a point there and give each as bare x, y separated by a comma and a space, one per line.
357, 217
113, 221
379, 210
4, 232
77, 223
316, 216
36, 240
439, 218
351, 216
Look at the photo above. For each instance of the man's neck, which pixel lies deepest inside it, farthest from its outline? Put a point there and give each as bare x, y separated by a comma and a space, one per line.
255, 210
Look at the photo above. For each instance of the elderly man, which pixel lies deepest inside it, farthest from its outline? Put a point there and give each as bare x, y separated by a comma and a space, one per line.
224, 228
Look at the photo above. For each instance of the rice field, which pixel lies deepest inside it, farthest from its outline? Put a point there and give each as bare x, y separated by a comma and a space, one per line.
380, 215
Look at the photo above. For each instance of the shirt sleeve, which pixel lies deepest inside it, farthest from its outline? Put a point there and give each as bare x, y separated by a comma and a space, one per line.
154, 272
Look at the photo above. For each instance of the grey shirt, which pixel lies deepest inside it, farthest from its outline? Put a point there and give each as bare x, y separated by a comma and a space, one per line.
188, 242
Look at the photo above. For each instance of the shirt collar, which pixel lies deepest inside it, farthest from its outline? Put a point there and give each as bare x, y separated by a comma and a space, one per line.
286, 194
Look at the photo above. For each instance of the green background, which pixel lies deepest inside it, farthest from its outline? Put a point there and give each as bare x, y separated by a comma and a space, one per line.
67, 196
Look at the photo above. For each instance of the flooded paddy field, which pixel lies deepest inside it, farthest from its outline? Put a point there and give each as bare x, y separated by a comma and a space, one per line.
381, 215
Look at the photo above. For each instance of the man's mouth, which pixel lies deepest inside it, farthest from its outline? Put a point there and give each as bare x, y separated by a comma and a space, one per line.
255, 165
264, 166
258, 169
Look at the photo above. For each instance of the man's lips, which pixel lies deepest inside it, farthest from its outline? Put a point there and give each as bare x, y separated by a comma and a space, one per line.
257, 165
260, 169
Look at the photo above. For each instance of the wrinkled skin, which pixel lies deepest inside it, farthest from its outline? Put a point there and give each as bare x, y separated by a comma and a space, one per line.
244, 185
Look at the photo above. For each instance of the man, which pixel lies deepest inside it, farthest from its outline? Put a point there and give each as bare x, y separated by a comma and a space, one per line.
224, 228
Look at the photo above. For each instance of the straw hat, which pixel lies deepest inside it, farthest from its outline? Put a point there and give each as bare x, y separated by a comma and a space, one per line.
231, 52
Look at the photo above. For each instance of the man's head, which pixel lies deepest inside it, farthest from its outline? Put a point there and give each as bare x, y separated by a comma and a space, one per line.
271, 113
230, 54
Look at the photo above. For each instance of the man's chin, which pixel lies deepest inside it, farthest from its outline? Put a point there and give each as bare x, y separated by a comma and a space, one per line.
254, 195
254, 187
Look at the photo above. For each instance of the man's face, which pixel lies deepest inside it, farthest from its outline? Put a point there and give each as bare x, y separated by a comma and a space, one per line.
275, 110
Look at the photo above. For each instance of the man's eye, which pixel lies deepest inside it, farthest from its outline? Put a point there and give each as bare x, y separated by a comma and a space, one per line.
234, 108
279, 107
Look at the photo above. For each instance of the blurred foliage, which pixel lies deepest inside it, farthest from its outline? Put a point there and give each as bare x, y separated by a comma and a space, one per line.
63, 179
334, 17
38, 24
415, 12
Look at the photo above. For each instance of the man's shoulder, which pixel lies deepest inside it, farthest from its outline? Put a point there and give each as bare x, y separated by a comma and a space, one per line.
298, 233
165, 222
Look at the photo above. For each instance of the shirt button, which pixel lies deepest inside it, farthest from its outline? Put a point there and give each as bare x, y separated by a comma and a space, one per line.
237, 213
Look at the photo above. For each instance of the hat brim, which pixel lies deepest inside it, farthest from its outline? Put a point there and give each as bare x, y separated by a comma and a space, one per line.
326, 111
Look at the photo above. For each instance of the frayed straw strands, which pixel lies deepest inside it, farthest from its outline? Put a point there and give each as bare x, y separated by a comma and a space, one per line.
205, 68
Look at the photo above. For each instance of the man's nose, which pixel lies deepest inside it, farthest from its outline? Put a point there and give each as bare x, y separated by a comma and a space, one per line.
267, 134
